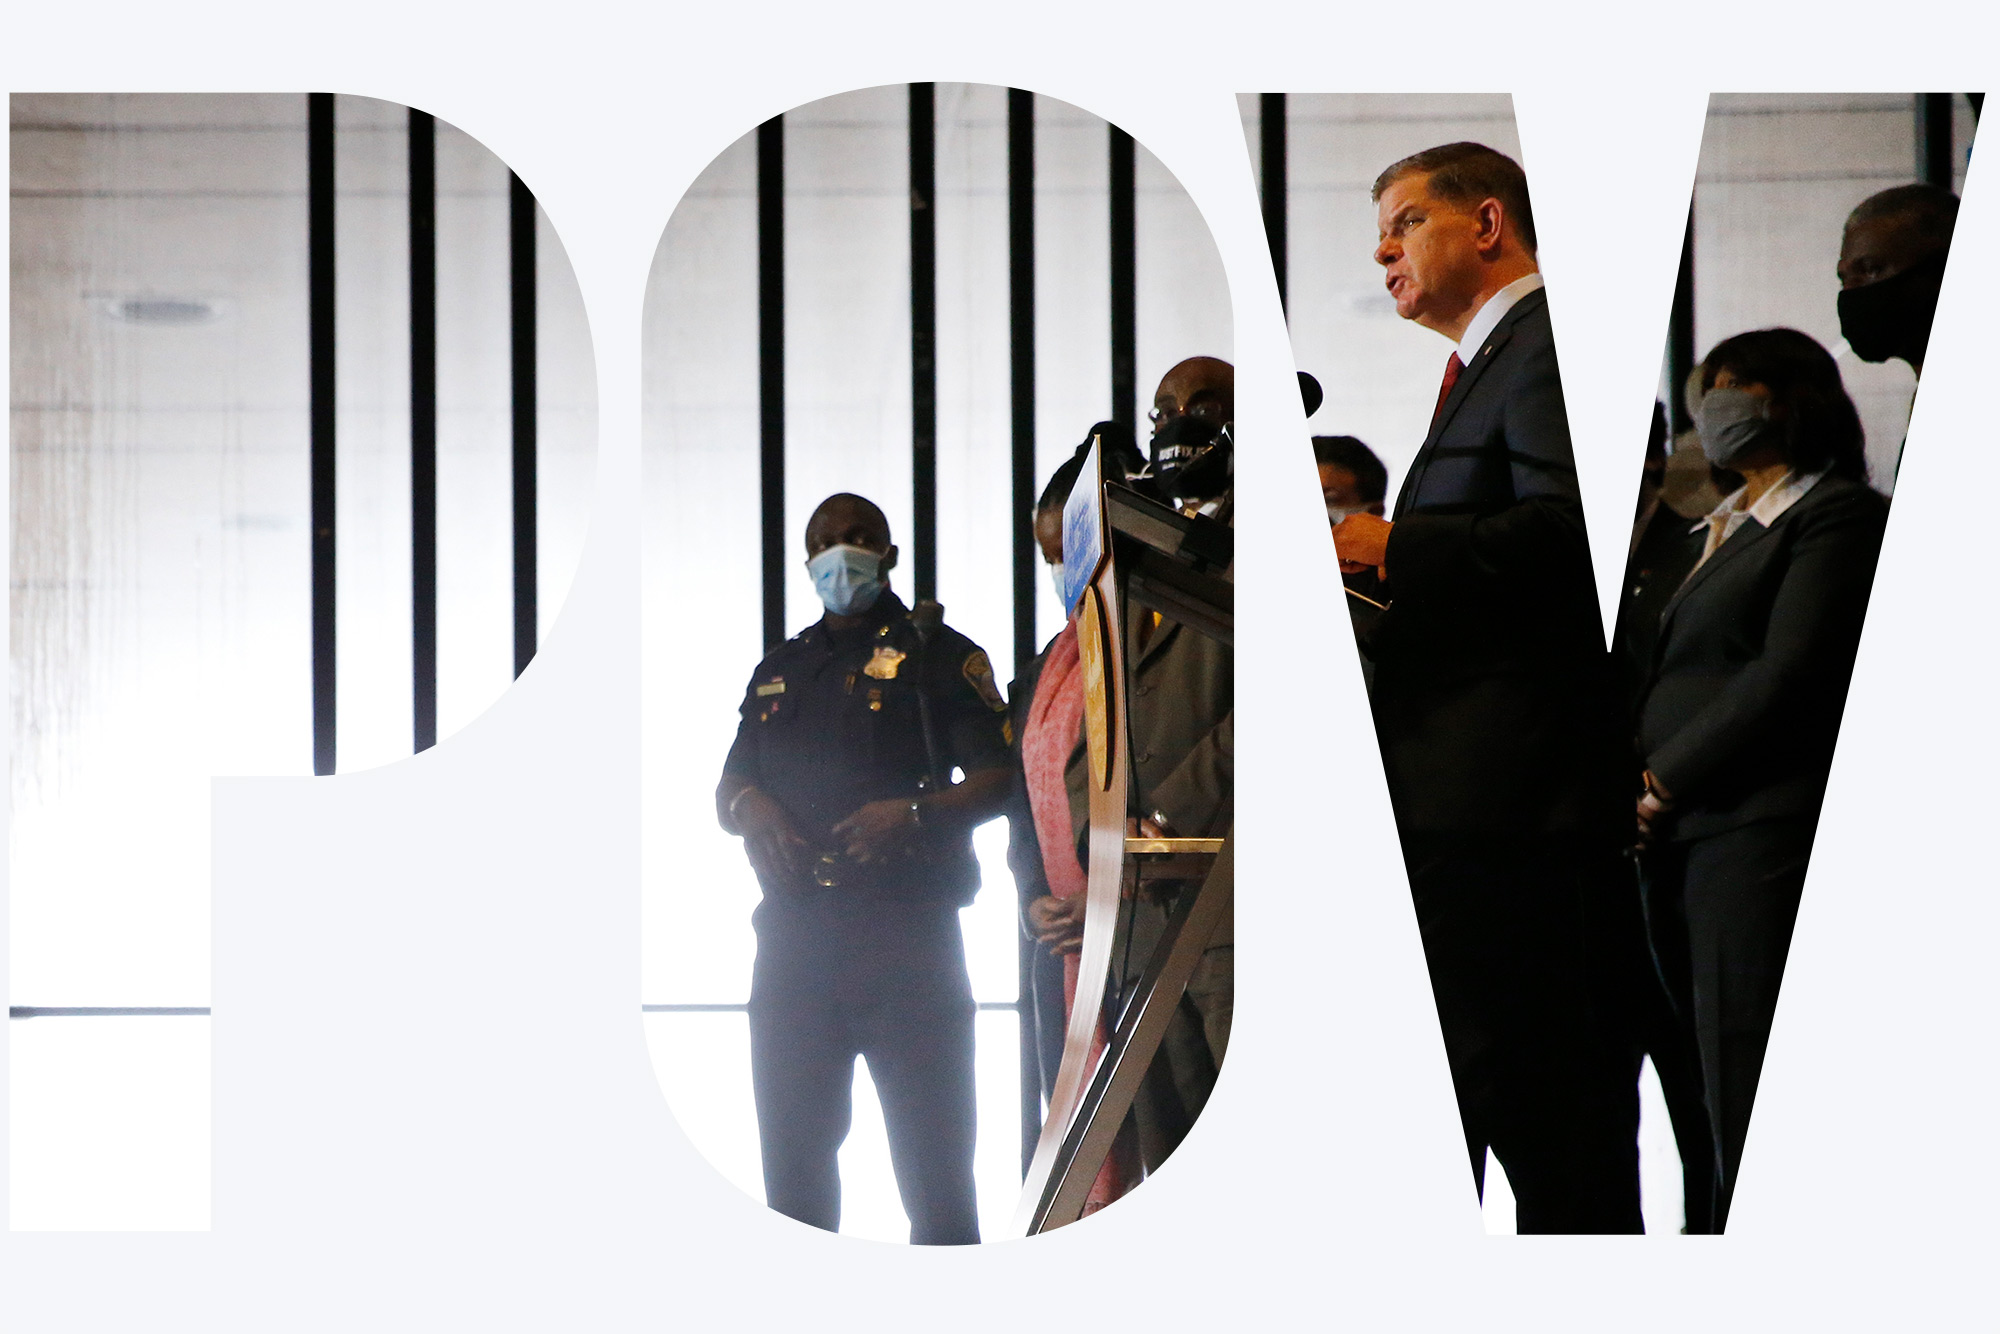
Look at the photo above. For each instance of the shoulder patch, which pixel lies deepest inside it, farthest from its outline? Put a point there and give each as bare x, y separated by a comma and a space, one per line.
979, 674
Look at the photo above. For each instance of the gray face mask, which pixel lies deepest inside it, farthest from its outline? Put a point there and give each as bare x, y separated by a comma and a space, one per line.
1735, 422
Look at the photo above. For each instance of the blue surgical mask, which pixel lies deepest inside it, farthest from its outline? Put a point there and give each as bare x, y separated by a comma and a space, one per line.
1056, 579
1734, 422
848, 579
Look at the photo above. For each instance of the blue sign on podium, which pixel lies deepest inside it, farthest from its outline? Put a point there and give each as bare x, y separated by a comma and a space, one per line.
1083, 528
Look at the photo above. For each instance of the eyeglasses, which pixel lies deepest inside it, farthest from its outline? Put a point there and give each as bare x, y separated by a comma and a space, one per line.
1206, 408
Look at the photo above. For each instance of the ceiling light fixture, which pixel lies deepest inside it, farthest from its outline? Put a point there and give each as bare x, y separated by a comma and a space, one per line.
161, 311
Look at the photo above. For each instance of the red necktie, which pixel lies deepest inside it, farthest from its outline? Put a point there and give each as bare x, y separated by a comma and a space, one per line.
1451, 370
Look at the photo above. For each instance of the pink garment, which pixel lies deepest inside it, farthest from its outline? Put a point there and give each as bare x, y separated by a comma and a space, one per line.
1054, 726
1055, 721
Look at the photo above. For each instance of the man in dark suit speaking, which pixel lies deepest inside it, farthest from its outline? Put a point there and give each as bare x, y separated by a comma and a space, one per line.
1491, 695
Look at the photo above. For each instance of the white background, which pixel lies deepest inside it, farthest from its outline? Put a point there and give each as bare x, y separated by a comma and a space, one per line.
433, 1107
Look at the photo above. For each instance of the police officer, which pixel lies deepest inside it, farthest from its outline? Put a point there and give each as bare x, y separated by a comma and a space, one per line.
839, 783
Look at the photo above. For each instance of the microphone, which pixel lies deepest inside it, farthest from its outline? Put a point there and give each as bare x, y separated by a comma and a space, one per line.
1310, 391
928, 617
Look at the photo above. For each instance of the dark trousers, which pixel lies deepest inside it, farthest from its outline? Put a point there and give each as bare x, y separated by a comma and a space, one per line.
1043, 978
1639, 1020
1719, 912
888, 985
1183, 1071
1504, 934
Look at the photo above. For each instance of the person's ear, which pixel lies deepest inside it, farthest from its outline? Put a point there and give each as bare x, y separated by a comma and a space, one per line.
888, 562
1492, 218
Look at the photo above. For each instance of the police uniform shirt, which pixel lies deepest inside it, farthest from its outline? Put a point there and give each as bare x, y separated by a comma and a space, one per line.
831, 722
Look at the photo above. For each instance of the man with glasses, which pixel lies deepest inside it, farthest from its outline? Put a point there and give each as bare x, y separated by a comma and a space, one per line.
1183, 743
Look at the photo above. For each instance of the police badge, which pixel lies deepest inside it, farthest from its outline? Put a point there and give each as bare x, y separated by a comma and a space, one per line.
886, 663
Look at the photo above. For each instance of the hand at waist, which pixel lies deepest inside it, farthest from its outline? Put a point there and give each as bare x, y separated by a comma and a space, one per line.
1362, 542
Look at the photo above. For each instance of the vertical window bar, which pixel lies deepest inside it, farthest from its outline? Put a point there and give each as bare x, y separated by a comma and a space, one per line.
923, 333
1271, 134
320, 316
1934, 139
1124, 316
1021, 351
423, 428
771, 368
1680, 337
521, 208
1021, 347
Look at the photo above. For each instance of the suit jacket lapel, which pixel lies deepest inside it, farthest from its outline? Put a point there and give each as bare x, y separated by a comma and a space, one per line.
1748, 534
1156, 642
1488, 352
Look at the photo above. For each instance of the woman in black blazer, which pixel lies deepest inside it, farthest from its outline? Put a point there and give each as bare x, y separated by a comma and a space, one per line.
1742, 702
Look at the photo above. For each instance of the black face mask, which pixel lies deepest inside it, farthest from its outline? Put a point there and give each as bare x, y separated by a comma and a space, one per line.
1892, 318
1191, 458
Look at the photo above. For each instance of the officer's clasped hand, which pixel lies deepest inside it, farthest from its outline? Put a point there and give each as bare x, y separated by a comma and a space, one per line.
777, 851
878, 830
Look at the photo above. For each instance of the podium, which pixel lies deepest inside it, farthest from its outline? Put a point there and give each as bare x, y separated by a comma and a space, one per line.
1121, 551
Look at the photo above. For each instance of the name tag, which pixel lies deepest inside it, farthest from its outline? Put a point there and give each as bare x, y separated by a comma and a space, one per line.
774, 688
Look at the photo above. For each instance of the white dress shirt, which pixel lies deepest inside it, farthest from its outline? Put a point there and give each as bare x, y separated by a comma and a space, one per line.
1723, 521
1489, 315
